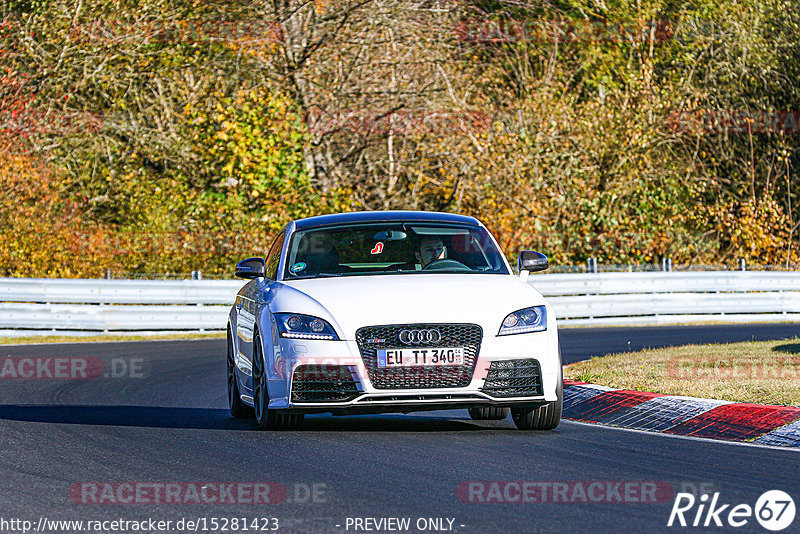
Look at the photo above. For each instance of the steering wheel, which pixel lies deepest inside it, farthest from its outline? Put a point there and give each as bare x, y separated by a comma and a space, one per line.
446, 265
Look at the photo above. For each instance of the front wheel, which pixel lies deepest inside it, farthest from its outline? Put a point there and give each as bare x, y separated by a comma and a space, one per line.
545, 417
267, 419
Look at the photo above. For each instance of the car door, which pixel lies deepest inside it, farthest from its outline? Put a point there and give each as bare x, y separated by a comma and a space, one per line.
253, 302
245, 323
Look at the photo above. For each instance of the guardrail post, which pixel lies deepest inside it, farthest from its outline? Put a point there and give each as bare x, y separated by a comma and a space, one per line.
666, 265
198, 275
591, 265
742, 265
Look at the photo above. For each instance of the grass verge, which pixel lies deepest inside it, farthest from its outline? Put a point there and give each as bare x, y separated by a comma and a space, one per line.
28, 340
762, 372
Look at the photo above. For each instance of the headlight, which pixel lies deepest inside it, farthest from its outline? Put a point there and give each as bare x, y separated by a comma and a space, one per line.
298, 326
524, 321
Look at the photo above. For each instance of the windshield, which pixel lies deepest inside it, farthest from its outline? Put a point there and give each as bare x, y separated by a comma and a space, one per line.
392, 248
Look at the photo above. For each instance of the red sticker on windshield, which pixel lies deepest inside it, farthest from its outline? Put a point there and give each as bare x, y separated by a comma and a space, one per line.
378, 248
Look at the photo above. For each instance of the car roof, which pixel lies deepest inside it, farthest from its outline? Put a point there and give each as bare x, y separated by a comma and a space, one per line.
384, 216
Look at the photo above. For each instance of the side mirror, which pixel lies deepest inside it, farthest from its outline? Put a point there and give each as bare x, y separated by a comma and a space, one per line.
532, 261
251, 268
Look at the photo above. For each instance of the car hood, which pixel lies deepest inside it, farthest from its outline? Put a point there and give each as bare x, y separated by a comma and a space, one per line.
356, 301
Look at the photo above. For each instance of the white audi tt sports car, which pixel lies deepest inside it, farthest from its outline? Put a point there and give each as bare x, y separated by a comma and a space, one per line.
391, 311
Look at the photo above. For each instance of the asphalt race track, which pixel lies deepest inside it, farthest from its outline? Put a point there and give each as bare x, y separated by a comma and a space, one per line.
164, 419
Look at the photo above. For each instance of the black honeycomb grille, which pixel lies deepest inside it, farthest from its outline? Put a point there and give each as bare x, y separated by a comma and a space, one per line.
323, 383
514, 378
372, 338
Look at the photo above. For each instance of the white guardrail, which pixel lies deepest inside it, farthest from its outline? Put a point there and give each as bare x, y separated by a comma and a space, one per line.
47, 305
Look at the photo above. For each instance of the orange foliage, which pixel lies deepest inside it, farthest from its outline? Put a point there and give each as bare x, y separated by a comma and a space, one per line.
41, 233
757, 230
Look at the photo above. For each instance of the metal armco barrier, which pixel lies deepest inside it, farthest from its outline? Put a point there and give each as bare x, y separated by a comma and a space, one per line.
115, 305
579, 299
672, 297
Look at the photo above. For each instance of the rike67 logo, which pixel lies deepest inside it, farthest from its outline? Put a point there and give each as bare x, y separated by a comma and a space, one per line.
774, 510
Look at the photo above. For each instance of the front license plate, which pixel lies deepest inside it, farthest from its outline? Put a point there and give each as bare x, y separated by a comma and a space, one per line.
420, 357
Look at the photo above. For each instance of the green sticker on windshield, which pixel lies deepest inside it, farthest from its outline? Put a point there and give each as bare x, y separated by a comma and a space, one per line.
297, 267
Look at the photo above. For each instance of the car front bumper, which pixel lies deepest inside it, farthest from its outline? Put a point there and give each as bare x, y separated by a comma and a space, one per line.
289, 355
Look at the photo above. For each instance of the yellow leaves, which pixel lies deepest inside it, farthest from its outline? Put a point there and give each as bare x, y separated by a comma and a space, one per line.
756, 230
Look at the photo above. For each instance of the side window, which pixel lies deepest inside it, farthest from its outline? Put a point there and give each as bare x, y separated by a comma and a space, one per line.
274, 257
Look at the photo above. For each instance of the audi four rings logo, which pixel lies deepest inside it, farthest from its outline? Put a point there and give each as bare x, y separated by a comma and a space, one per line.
417, 337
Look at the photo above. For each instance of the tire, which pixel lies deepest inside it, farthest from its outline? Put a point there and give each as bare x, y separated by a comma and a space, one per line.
489, 413
545, 417
239, 410
267, 419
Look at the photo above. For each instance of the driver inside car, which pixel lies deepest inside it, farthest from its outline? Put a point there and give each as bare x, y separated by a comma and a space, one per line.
317, 255
429, 250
